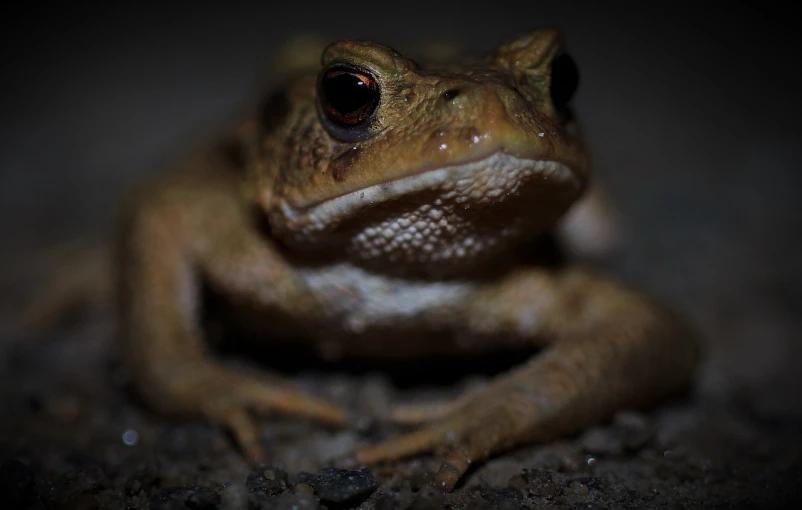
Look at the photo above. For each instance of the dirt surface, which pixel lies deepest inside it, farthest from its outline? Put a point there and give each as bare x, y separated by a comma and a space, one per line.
73, 437
694, 123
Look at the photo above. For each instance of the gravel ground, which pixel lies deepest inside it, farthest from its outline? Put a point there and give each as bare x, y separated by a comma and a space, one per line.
694, 124
73, 437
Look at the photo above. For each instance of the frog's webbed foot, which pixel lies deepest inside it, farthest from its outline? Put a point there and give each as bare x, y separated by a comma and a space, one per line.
233, 400
471, 428
417, 414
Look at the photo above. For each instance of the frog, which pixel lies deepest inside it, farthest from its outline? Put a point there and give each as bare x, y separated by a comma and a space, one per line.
379, 207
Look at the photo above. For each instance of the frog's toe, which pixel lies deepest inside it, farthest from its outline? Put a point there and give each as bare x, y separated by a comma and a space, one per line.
270, 397
404, 445
234, 410
472, 429
448, 437
233, 400
416, 414
238, 421
477, 443
458, 446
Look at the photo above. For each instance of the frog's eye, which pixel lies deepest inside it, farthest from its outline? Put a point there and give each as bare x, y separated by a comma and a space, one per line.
348, 97
564, 80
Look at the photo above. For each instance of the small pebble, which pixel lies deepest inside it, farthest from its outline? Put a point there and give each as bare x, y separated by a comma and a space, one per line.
541, 483
131, 437
266, 480
340, 486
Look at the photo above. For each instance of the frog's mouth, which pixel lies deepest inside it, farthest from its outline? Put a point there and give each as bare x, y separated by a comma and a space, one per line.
491, 180
438, 221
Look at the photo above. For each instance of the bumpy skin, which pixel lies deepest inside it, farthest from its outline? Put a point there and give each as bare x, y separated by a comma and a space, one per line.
405, 243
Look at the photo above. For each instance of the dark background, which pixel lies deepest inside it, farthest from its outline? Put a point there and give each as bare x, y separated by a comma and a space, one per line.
693, 115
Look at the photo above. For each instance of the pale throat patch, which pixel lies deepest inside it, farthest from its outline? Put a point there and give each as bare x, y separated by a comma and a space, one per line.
450, 221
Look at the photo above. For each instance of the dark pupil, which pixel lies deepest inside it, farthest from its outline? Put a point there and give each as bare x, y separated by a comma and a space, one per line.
346, 93
564, 80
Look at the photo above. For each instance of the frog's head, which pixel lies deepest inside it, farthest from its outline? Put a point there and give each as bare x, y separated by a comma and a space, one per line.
401, 165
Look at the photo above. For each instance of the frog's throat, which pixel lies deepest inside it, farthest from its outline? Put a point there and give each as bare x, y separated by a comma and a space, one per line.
487, 180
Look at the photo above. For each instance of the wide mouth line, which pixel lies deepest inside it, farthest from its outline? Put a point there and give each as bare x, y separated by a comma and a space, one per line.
420, 181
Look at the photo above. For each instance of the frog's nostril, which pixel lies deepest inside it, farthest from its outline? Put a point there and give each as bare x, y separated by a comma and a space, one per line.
450, 94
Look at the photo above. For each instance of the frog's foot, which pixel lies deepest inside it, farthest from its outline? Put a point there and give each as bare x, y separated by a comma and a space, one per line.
460, 432
417, 414
232, 400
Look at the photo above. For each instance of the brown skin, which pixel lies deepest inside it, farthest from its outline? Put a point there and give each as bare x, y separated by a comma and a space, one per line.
604, 347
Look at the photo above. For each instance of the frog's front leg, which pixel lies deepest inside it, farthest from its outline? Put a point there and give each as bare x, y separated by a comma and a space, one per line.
168, 243
608, 348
